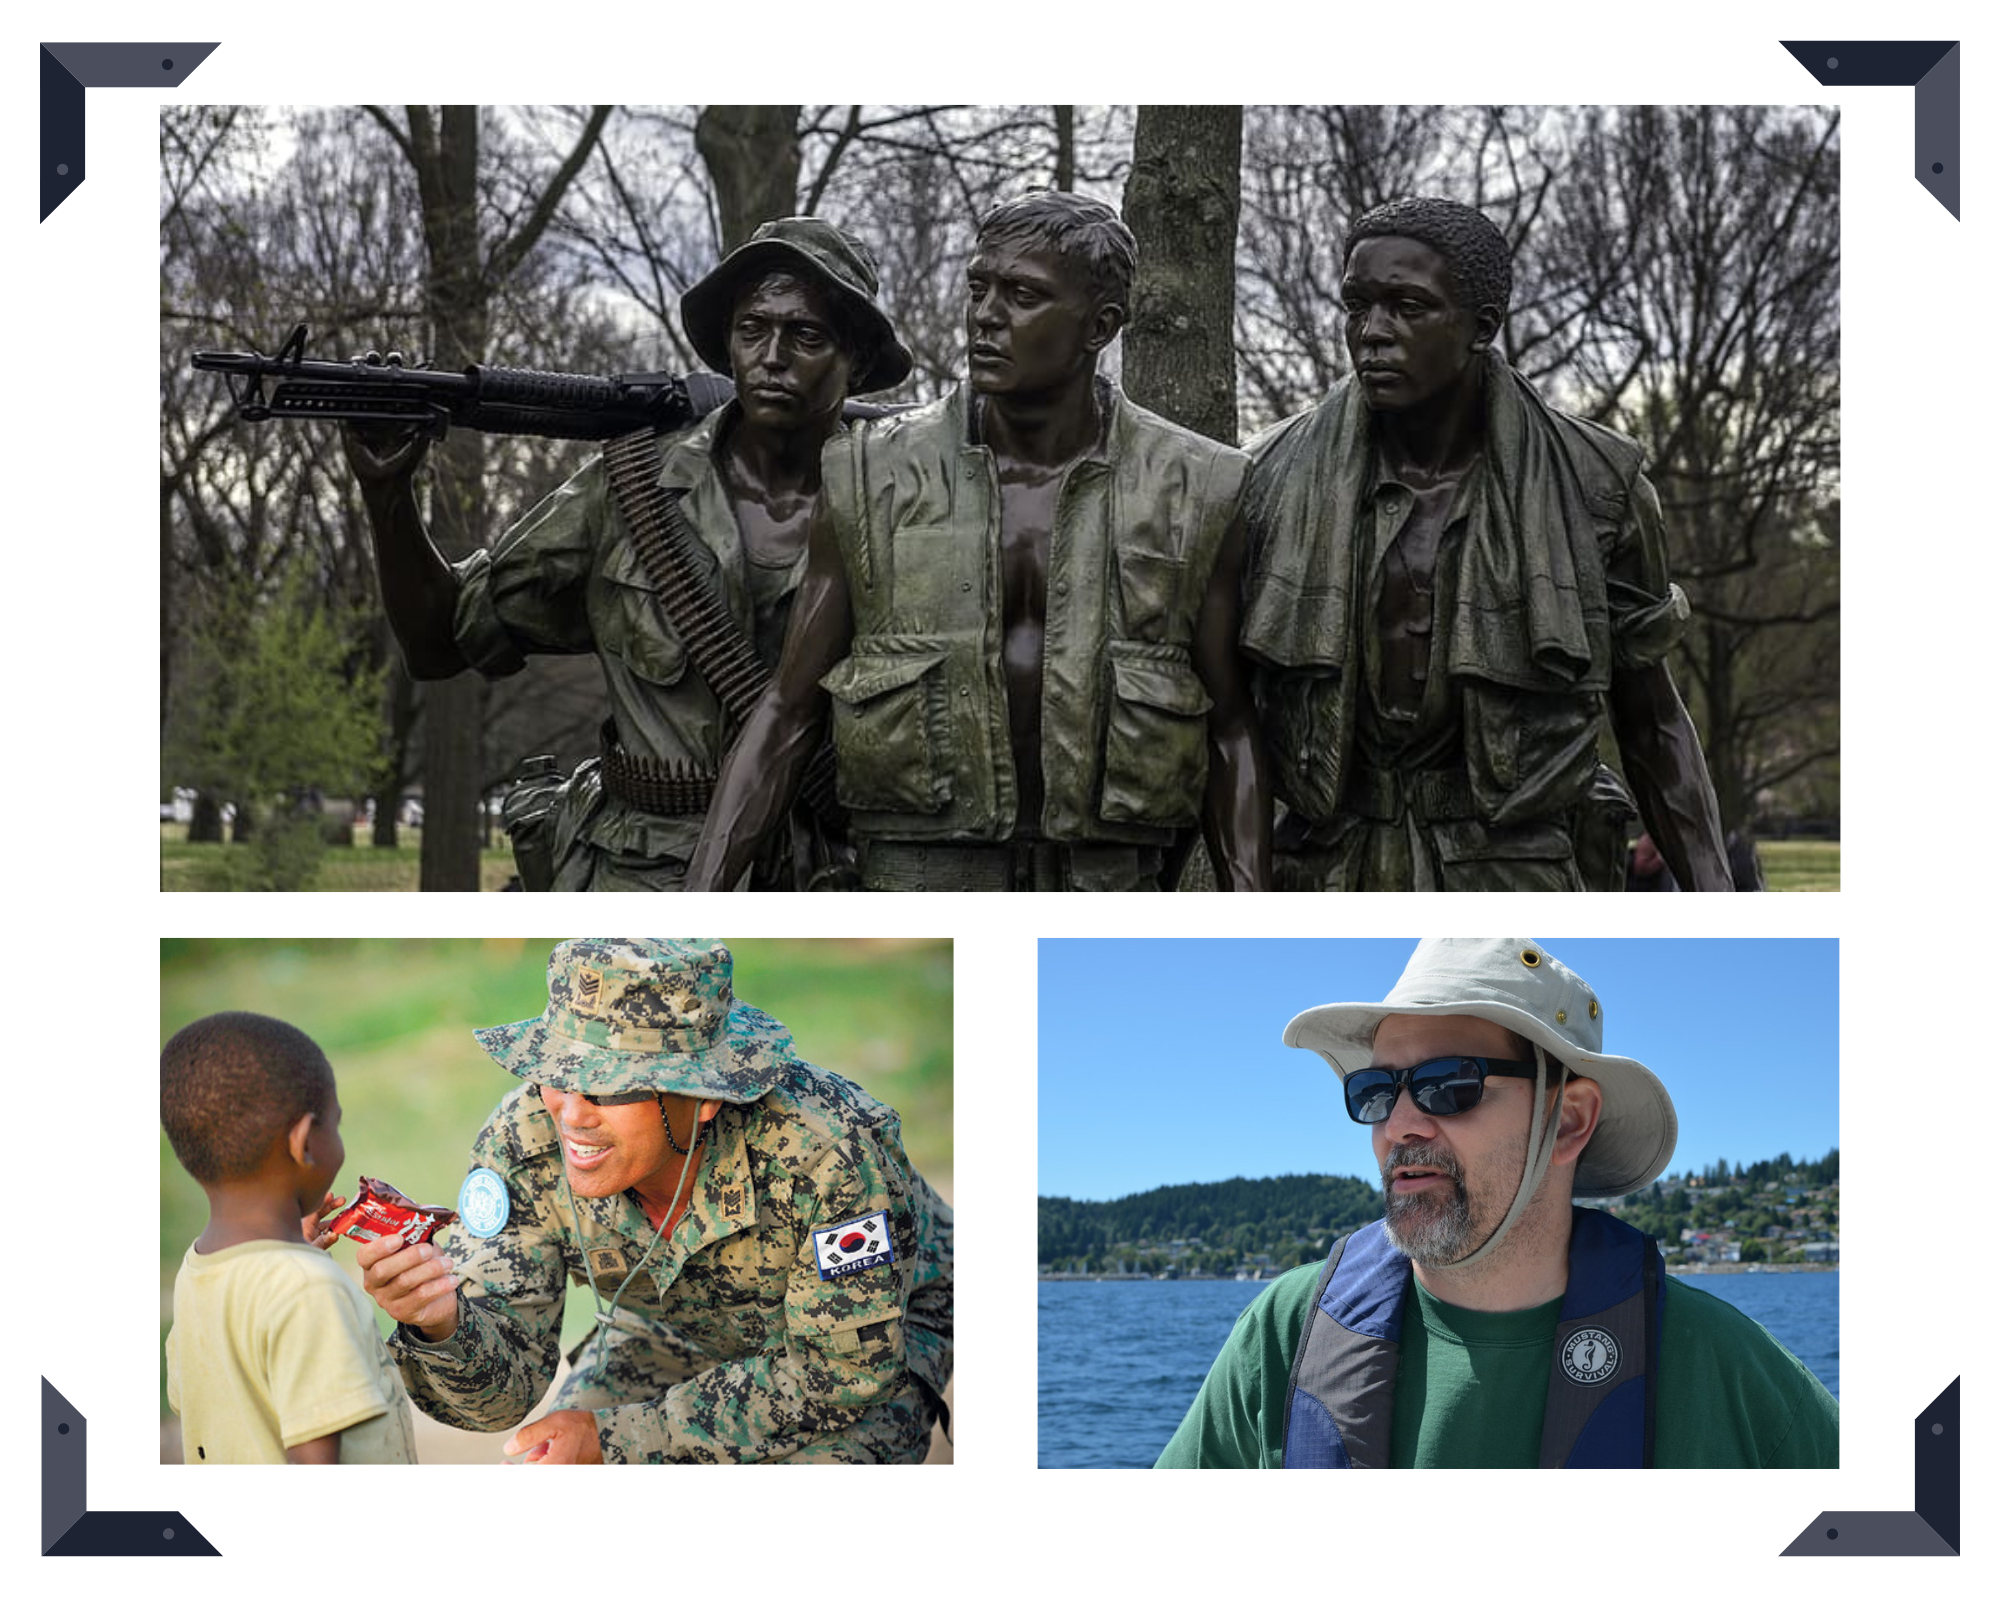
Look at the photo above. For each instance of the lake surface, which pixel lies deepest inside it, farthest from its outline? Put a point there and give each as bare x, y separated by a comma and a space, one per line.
1119, 1363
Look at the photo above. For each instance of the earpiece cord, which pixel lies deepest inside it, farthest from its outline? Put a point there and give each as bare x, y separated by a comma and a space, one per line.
603, 1312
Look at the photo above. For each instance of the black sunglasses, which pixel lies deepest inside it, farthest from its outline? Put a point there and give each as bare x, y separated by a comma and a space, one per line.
631, 1097
1443, 1087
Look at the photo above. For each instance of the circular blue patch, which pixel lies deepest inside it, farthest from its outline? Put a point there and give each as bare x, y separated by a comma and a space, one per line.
482, 1203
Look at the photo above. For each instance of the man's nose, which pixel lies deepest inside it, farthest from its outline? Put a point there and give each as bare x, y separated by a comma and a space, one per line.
770, 352
1374, 326
1408, 1120
573, 1109
985, 309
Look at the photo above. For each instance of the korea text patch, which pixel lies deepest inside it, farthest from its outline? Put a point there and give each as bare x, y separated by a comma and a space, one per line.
853, 1246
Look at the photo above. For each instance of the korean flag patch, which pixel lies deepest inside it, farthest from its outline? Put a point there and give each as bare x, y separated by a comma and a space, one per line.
853, 1246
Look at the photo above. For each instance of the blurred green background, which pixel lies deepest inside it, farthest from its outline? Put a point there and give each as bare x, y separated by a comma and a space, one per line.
394, 1016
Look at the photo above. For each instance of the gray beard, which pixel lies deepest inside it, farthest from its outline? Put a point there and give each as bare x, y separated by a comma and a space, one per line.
1433, 1230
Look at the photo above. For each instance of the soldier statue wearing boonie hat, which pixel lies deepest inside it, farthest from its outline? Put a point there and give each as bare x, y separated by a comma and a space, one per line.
1485, 1322
772, 1277
793, 316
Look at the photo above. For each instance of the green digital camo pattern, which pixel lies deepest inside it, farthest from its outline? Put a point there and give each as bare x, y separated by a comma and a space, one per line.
565, 580
728, 1345
660, 1014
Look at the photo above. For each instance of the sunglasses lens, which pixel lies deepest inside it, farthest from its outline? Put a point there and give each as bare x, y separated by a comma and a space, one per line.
631, 1097
1370, 1095
1446, 1087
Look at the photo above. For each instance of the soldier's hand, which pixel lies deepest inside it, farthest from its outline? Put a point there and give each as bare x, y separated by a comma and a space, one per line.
561, 1439
414, 1283
383, 453
321, 1237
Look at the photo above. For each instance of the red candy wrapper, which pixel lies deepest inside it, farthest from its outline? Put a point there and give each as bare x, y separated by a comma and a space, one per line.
381, 1210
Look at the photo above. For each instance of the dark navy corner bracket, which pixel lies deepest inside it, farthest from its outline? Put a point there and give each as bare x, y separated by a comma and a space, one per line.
69, 69
1930, 64
1930, 1530
68, 1529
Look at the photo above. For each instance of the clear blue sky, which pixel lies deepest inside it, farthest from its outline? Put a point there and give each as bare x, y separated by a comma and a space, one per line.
1161, 1062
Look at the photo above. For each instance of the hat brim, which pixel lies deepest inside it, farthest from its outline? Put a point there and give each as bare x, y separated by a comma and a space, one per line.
706, 308
746, 1061
1636, 1131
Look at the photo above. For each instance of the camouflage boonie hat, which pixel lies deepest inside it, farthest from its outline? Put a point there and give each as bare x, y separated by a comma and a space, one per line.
659, 1014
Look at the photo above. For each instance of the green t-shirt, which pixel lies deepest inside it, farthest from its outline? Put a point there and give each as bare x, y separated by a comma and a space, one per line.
1470, 1387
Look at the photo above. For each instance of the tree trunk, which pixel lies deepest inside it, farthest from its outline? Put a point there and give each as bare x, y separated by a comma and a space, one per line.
455, 296
400, 709
205, 827
752, 156
1181, 203
463, 277
1065, 148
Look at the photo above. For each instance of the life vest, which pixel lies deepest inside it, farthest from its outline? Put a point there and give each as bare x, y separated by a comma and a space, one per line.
1602, 1370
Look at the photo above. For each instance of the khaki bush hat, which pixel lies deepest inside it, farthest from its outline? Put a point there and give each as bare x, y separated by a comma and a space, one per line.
658, 1014
1518, 984
832, 258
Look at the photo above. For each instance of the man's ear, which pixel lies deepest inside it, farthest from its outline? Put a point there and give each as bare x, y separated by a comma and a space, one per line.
1485, 328
297, 1135
709, 1109
1105, 324
1582, 1106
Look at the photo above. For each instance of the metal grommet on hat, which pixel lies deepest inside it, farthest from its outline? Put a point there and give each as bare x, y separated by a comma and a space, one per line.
1531, 957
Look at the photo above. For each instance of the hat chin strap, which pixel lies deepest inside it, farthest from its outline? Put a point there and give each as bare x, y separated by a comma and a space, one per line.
1541, 1150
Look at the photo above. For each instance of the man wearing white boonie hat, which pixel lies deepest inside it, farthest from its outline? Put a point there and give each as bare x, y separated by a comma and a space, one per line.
1484, 1322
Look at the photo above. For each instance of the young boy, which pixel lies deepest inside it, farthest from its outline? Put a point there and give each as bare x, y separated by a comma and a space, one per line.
273, 1354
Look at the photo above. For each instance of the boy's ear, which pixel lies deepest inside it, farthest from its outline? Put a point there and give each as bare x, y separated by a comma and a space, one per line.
296, 1136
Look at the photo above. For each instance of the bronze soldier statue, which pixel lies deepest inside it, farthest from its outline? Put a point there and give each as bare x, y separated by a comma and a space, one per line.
1021, 602
792, 315
1451, 585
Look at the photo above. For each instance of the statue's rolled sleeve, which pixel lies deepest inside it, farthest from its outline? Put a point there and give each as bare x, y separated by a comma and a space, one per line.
838, 1352
527, 595
1648, 612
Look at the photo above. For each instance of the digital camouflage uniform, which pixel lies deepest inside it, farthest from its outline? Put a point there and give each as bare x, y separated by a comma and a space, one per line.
566, 580
729, 1344
1550, 578
920, 718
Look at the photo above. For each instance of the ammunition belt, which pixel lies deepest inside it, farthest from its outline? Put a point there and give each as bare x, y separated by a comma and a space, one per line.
723, 656
665, 788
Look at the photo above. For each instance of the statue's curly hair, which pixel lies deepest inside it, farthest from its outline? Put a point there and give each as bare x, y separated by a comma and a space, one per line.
1475, 252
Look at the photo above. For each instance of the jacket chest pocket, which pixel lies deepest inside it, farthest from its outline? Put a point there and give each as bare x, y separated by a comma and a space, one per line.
627, 622
1156, 737
891, 739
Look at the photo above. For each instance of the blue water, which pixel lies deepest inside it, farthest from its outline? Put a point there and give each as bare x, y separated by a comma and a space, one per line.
1119, 1362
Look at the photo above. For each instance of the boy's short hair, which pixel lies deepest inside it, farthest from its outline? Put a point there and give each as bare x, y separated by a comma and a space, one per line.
1087, 231
232, 1083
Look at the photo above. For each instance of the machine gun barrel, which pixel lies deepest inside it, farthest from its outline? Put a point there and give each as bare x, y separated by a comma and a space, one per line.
554, 405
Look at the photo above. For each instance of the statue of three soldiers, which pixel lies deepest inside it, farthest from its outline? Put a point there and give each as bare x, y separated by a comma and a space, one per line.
1051, 633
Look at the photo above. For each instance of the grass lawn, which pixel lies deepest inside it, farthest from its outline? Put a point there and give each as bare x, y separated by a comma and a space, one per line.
1809, 864
394, 1017
362, 868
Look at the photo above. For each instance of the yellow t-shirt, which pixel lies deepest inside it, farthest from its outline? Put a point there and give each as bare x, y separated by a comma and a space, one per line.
272, 1345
